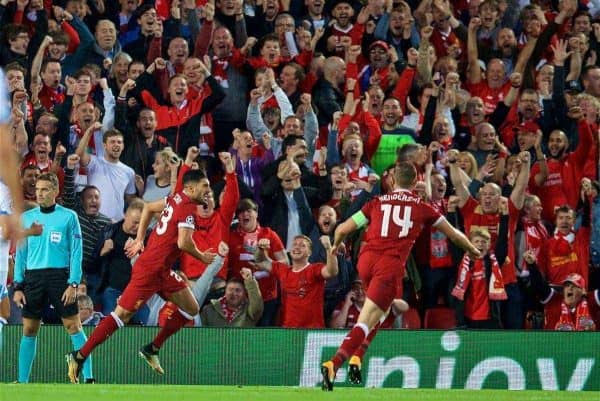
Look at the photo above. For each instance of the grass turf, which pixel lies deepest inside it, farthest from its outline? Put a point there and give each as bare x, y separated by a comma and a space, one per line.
61, 392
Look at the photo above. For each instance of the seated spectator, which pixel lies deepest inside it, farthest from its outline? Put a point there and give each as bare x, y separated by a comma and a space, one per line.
575, 310
302, 283
346, 313
241, 306
87, 315
243, 242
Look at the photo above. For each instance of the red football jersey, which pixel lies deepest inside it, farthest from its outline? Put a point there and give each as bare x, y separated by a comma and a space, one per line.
395, 221
474, 217
302, 295
241, 253
162, 250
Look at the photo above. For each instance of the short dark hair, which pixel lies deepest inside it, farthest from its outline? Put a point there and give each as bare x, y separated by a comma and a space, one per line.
289, 141
110, 133
49, 177
30, 167
193, 176
405, 174
88, 188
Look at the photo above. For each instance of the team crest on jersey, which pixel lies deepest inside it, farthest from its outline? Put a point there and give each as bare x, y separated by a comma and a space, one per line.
190, 220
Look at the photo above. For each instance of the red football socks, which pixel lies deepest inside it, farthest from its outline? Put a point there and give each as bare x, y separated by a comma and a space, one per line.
360, 352
174, 322
105, 329
352, 341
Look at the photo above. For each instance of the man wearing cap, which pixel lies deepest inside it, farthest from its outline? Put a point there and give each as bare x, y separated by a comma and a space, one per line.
377, 70
576, 310
243, 241
342, 33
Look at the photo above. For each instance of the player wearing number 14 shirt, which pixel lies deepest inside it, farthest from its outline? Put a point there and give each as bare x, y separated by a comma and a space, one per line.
395, 221
151, 272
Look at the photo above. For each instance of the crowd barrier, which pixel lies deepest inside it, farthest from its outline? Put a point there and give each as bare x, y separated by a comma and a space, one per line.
287, 357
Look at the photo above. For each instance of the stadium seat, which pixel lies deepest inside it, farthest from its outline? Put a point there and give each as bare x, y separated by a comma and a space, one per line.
440, 318
411, 319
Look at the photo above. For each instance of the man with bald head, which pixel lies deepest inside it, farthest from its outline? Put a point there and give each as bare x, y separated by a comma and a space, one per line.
560, 186
328, 93
484, 212
106, 45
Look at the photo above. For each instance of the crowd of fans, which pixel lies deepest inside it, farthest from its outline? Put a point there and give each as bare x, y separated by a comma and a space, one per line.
495, 102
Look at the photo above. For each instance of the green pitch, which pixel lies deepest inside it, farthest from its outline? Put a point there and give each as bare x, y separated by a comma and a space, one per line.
61, 392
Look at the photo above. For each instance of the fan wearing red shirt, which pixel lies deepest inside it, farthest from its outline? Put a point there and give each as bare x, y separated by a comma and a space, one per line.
565, 170
495, 86
242, 243
574, 309
212, 226
302, 283
485, 213
567, 251
152, 272
395, 221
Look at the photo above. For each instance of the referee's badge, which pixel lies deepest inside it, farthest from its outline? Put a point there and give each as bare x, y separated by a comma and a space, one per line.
55, 236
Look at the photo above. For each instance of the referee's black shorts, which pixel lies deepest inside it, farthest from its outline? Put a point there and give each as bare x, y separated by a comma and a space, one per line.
43, 287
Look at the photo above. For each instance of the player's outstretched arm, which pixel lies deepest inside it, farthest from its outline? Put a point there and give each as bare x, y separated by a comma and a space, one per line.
457, 237
137, 245
346, 228
186, 244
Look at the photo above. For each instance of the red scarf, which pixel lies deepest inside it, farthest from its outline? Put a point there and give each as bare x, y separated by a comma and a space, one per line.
496, 290
535, 233
563, 244
582, 322
229, 313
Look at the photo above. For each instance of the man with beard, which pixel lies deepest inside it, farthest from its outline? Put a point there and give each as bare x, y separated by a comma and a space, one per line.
29, 176
485, 213
115, 178
393, 135
92, 222
315, 18
575, 310
39, 155
141, 142
565, 170
342, 33
378, 68
241, 306
243, 242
